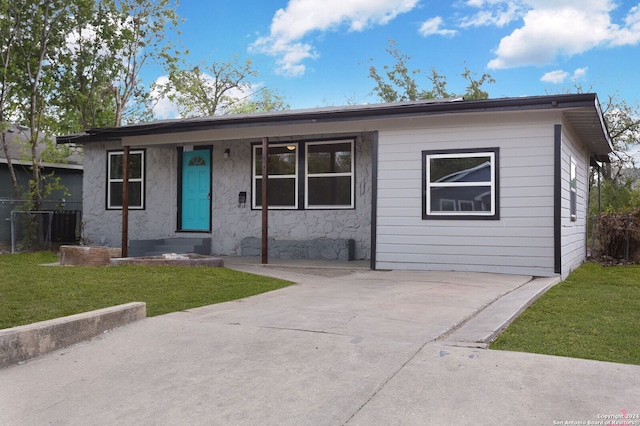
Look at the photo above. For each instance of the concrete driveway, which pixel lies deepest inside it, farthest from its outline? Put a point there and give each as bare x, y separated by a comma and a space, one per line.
352, 347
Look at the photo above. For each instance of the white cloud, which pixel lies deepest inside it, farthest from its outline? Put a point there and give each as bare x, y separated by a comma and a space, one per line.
555, 77
554, 29
495, 13
163, 107
579, 73
432, 27
303, 17
630, 33
560, 76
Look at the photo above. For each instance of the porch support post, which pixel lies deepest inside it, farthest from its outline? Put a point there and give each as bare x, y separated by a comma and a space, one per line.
265, 204
125, 202
599, 188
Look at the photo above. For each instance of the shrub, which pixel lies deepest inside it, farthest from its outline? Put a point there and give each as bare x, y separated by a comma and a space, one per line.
618, 236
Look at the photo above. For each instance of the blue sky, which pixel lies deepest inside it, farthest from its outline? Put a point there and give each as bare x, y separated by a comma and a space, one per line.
318, 53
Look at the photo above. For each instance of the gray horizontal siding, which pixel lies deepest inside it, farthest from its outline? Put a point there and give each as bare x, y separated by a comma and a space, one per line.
482, 263
520, 242
573, 233
465, 267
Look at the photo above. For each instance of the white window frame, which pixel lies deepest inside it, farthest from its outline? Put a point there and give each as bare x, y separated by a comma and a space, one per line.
255, 176
491, 155
329, 175
141, 179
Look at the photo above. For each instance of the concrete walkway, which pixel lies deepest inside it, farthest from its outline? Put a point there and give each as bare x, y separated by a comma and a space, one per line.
343, 346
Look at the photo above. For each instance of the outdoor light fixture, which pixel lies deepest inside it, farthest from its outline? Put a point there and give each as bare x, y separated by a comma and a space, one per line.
227, 153
291, 147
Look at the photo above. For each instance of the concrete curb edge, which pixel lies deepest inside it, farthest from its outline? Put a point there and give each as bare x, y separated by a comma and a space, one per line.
21, 343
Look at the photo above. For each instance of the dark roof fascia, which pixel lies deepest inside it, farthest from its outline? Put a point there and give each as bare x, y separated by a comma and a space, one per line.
324, 115
603, 122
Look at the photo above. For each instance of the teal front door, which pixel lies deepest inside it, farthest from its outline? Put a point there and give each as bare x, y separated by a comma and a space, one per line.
196, 190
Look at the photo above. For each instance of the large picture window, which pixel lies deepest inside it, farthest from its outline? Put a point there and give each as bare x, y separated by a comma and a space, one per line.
115, 175
329, 178
460, 184
319, 173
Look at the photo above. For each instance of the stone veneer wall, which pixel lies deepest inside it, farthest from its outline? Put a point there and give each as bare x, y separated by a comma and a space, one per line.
230, 222
318, 248
158, 220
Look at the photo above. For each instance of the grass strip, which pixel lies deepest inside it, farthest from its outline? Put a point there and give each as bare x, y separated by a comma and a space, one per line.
30, 293
593, 314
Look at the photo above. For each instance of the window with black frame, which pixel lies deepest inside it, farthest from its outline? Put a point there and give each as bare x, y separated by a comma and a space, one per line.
319, 173
115, 179
329, 174
460, 184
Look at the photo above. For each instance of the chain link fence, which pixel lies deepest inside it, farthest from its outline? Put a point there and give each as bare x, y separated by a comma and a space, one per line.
30, 231
24, 231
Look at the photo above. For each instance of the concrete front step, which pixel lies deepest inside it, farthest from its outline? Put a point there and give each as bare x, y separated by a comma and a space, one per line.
139, 248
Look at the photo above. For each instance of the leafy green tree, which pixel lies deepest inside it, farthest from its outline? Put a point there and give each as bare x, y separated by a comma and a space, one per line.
397, 83
217, 89
105, 55
263, 100
86, 72
616, 188
68, 65
623, 122
144, 28
30, 78
8, 33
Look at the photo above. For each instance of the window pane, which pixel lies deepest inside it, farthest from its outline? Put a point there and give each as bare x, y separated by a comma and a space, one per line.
329, 158
282, 161
281, 192
135, 166
116, 194
330, 191
465, 169
116, 166
135, 194
462, 198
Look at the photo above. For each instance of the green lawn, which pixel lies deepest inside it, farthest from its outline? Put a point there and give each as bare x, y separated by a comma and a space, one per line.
593, 314
31, 293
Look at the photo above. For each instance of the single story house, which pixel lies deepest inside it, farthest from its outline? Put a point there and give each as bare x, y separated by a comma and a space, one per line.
496, 185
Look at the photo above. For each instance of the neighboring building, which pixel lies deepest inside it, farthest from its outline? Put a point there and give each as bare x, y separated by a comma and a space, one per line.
498, 185
70, 174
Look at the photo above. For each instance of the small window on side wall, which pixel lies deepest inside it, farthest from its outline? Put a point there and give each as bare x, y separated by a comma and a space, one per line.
115, 175
573, 196
460, 184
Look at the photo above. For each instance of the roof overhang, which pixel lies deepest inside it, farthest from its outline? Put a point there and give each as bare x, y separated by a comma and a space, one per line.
582, 112
47, 165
